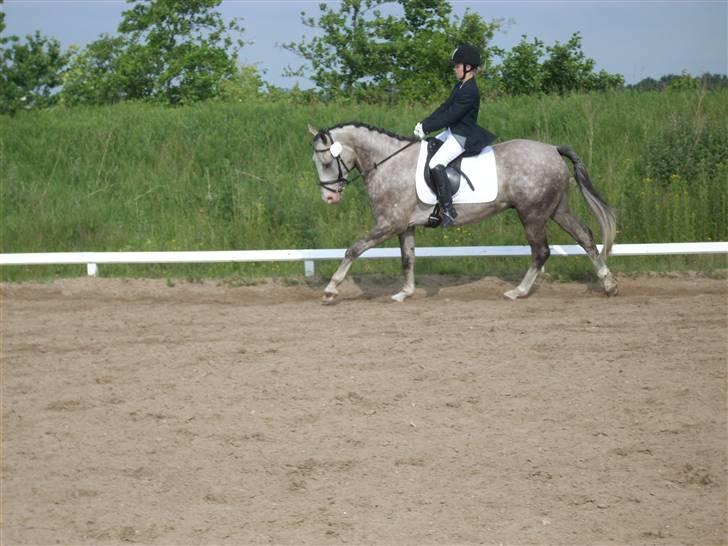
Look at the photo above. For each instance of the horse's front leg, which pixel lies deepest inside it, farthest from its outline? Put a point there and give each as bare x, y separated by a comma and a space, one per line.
374, 237
407, 247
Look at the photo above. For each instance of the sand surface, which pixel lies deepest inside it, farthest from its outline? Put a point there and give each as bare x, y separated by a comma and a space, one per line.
134, 411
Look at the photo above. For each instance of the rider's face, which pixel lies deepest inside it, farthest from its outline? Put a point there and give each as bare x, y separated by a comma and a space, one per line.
459, 71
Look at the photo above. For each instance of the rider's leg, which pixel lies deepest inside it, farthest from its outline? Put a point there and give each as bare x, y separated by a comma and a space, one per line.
449, 150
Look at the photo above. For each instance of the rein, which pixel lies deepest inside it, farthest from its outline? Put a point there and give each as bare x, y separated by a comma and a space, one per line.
342, 179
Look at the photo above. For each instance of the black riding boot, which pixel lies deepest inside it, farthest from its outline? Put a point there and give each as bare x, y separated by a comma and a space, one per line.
444, 195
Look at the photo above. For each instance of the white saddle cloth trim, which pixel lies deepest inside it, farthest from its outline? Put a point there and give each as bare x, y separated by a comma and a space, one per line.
480, 169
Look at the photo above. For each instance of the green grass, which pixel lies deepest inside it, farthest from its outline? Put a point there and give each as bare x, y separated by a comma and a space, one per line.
220, 176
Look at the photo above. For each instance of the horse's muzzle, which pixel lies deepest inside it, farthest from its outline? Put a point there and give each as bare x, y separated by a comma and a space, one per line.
330, 197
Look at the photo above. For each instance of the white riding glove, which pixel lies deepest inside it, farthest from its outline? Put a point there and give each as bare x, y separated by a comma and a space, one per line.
419, 132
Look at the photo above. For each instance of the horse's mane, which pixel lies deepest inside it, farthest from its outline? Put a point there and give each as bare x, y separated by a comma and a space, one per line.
371, 128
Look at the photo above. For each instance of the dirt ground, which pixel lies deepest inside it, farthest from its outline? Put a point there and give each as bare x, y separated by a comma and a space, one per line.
203, 413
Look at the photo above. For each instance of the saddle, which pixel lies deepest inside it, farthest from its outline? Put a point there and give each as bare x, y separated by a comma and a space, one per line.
454, 173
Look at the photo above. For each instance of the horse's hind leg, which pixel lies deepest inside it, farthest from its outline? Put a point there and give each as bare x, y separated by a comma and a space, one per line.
540, 252
407, 246
583, 235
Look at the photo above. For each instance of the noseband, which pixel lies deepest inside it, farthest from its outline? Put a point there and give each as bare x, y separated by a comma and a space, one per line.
344, 169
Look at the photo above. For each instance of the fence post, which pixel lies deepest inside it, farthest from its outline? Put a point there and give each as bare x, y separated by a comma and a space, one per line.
309, 268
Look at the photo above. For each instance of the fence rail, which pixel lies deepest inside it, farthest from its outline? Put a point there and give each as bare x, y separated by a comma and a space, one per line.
310, 256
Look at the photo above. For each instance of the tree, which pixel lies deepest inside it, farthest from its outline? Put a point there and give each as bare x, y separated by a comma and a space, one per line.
94, 75
521, 70
604, 81
360, 52
684, 82
29, 72
345, 57
179, 50
714, 81
170, 51
567, 68
245, 85
421, 43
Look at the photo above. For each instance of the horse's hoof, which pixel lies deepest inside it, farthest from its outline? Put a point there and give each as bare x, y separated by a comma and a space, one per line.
328, 298
611, 290
610, 286
514, 294
401, 296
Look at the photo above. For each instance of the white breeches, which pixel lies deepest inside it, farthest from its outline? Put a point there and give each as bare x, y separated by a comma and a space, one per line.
449, 150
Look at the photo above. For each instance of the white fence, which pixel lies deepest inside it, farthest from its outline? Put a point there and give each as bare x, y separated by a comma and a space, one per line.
309, 257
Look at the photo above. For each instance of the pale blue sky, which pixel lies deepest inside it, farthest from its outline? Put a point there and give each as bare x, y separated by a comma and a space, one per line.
636, 38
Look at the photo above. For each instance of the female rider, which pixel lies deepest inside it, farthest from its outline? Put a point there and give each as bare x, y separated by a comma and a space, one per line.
459, 114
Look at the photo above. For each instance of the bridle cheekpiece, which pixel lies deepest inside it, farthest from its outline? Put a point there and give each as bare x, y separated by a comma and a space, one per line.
335, 150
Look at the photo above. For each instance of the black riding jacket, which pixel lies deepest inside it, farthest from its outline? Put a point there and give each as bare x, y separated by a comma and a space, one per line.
460, 114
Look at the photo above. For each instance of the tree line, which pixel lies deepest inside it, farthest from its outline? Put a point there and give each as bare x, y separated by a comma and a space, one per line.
182, 52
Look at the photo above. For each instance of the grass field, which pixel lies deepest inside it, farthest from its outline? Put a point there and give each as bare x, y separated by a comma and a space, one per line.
223, 176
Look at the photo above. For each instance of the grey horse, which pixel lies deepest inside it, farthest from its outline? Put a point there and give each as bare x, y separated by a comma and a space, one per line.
532, 178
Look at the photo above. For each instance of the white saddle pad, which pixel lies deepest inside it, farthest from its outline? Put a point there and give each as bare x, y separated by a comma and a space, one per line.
480, 169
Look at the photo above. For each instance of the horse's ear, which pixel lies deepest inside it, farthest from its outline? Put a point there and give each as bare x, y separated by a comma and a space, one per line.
311, 130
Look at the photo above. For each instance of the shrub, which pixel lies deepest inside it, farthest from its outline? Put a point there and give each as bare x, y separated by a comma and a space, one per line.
687, 149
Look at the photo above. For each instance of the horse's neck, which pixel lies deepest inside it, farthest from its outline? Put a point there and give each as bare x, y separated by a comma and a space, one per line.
370, 146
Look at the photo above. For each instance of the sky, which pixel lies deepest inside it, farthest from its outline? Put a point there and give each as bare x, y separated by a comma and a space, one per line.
635, 38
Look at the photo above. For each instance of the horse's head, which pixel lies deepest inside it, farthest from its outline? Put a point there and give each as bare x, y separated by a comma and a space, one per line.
334, 161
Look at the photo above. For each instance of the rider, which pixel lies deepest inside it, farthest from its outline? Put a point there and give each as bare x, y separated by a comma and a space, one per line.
459, 113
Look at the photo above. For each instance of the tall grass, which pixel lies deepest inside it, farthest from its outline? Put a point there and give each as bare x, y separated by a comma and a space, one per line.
222, 176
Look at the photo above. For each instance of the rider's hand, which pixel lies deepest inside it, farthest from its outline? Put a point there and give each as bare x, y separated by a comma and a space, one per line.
419, 132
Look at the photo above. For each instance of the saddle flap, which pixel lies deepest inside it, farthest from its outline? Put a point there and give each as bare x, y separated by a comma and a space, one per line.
452, 169
453, 175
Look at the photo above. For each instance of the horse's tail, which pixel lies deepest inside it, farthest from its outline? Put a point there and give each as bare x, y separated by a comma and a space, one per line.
596, 202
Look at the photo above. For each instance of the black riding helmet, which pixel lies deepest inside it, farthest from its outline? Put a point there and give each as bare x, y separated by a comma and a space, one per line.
466, 54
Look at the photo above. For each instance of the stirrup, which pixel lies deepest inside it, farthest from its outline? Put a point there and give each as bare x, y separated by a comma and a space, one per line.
447, 218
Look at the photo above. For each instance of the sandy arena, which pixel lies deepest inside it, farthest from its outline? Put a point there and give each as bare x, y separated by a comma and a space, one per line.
134, 411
